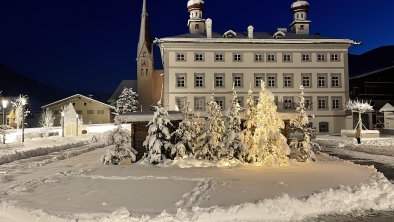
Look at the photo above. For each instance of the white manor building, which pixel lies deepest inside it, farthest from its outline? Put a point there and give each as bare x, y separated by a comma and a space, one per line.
196, 62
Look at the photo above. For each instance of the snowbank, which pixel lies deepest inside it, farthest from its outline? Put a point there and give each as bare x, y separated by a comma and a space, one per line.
192, 162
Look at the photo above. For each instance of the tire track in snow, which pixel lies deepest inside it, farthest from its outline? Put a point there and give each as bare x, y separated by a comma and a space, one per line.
198, 194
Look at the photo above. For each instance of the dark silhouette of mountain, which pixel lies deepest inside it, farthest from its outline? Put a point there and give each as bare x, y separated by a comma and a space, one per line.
375, 59
13, 84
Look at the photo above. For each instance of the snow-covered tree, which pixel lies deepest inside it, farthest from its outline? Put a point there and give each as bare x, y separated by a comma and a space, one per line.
233, 136
157, 143
121, 149
300, 123
47, 119
269, 145
127, 102
211, 148
359, 107
249, 124
18, 107
184, 134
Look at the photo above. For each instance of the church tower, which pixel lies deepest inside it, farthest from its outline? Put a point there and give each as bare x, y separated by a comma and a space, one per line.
196, 22
300, 24
145, 72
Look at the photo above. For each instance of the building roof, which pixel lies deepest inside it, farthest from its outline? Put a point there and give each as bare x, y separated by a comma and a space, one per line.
378, 70
387, 108
77, 96
125, 83
258, 37
137, 117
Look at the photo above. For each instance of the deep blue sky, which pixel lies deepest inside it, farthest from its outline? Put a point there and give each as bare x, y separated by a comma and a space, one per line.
90, 45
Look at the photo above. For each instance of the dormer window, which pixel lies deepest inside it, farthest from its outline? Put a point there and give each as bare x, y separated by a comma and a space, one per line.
230, 34
279, 35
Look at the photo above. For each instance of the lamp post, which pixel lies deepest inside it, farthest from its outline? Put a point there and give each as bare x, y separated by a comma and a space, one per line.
62, 113
77, 125
5, 104
23, 119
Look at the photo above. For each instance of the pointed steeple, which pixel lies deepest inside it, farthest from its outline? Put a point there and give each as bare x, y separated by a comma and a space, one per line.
145, 36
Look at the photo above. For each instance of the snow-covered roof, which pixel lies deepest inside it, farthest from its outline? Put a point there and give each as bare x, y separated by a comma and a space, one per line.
300, 4
137, 117
258, 38
194, 2
125, 83
77, 96
387, 108
372, 72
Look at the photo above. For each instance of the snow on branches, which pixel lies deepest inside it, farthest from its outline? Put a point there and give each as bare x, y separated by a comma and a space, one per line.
127, 102
47, 120
185, 134
359, 107
269, 145
157, 143
121, 150
20, 111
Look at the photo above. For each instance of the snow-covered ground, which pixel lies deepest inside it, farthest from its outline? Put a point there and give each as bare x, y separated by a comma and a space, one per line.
80, 188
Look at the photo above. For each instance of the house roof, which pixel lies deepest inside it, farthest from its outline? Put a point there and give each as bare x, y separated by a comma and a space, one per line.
371, 72
77, 96
125, 83
387, 108
258, 37
137, 117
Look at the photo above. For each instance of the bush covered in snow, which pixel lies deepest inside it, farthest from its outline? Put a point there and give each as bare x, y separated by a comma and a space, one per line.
157, 143
122, 150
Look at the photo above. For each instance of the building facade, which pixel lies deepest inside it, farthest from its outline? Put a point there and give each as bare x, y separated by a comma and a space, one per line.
197, 62
91, 111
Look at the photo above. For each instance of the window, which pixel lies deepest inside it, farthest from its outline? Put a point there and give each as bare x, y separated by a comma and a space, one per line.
322, 103
181, 102
180, 57
335, 57
238, 79
258, 77
84, 104
199, 79
219, 57
323, 127
90, 112
181, 80
287, 57
198, 57
306, 57
335, 80
321, 80
306, 79
219, 80
271, 79
220, 101
288, 103
271, 57
258, 57
308, 102
240, 101
199, 103
237, 57
100, 112
288, 80
336, 102
73, 104
321, 57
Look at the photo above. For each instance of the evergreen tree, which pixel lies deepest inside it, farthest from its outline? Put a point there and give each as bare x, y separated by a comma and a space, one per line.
157, 143
269, 145
249, 125
233, 142
121, 150
211, 148
300, 123
184, 134
127, 102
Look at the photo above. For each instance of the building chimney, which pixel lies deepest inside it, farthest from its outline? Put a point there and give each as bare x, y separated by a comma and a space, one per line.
284, 30
250, 32
208, 24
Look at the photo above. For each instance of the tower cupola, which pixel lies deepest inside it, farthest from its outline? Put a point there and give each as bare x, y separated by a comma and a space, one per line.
196, 21
300, 24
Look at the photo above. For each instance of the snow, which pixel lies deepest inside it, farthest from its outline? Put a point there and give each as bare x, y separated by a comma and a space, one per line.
73, 185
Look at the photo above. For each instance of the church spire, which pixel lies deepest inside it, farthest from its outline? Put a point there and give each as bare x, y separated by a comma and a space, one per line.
145, 37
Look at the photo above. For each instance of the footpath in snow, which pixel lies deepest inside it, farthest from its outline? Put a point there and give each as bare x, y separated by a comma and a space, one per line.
82, 189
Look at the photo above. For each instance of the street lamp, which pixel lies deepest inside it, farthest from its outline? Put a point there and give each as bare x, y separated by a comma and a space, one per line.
62, 113
23, 119
5, 104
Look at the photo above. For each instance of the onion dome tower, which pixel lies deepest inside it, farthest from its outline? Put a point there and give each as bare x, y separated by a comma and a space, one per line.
196, 22
300, 24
